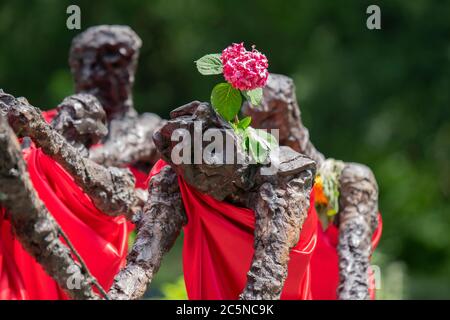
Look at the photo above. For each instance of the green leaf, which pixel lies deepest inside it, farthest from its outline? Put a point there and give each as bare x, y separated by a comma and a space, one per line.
244, 123
259, 143
226, 100
253, 96
257, 151
209, 64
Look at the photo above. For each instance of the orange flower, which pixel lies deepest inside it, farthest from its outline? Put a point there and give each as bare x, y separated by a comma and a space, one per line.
320, 198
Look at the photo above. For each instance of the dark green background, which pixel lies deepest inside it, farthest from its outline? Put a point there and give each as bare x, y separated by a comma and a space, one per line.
377, 97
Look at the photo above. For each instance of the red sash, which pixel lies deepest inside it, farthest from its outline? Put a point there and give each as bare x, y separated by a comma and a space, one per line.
218, 249
102, 241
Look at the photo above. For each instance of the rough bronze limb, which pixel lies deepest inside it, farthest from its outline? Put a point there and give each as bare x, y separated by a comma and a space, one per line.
111, 189
358, 213
157, 229
36, 229
281, 208
279, 110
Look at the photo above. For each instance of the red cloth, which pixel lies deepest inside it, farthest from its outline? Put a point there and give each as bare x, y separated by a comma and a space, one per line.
218, 249
324, 262
140, 176
102, 241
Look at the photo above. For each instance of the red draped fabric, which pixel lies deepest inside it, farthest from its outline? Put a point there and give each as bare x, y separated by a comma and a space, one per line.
324, 262
217, 252
102, 241
218, 249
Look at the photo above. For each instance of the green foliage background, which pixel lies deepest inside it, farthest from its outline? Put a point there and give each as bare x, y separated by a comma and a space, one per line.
376, 97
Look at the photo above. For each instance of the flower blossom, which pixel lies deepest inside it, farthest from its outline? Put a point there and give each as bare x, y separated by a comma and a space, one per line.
244, 70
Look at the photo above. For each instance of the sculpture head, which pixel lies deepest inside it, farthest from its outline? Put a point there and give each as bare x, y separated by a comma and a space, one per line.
190, 125
81, 120
103, 61
227, 176
277, 110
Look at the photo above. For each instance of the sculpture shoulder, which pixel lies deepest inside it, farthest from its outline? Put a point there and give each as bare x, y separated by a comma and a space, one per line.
292, 162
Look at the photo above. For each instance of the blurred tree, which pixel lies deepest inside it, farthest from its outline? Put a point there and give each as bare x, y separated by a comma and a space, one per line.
379, 97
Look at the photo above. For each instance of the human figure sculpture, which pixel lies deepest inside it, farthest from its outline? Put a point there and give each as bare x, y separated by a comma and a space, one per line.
358, 217
103, 60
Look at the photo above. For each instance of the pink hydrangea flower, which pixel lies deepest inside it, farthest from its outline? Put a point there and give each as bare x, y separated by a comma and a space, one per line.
245, 70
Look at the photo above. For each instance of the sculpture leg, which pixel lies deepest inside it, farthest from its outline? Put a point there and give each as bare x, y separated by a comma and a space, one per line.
280, 212
36, 229
157, 230
358, 203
